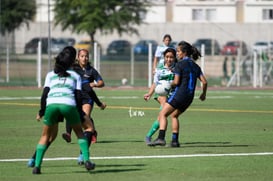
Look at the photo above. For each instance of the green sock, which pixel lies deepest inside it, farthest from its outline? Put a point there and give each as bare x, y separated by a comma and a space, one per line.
153, 129
40, 151
84, 148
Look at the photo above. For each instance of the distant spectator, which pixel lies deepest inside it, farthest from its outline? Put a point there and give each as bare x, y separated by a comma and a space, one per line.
225, 71
233, 65
159, 57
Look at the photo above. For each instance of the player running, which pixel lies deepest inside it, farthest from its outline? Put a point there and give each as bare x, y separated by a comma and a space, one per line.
186, 74
163, 73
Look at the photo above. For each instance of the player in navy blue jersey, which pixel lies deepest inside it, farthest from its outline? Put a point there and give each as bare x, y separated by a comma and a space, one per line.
186, 74
90, 79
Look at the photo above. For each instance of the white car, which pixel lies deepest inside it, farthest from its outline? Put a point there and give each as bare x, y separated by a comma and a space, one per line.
261, 46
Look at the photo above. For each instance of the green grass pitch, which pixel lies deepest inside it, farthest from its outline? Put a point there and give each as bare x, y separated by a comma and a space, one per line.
227, 137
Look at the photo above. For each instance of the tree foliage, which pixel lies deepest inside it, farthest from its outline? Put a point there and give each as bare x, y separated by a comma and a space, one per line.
14, 13
89, 16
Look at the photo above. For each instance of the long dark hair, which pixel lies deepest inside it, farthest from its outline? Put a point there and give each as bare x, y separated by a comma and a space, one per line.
190, 50
64, 60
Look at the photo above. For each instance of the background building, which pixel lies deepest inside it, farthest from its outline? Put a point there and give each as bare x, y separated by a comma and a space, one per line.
224, 20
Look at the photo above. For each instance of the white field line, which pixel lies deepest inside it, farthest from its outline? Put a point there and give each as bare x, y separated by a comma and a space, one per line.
137, 97
148, 157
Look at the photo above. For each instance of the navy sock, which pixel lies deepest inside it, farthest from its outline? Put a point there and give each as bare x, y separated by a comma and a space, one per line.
161, 134
175, 137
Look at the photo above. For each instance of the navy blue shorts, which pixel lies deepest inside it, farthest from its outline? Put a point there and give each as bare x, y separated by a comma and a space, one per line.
86, 99
181, 104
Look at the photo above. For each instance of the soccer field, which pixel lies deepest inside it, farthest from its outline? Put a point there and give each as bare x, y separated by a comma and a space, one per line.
227, 137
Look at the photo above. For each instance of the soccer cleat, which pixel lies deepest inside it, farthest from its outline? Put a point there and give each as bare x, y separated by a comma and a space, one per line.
159, 142
89, 165
36, 170
94, 137
148, 140
175, 144
67, 137
31, 162
80, 160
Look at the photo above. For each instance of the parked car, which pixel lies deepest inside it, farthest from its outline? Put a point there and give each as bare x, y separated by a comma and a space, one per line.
262, 46
231, 48
32, 45
68, 41
85, 44
212, 47
142, 47
57, 45
119, 47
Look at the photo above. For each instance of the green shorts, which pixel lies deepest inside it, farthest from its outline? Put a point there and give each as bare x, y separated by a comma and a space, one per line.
55, 111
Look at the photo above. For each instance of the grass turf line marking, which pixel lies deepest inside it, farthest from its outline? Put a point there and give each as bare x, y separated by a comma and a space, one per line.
152, 108
149, 157
102, 97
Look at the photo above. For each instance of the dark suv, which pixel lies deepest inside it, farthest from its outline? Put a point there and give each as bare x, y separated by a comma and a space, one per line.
212, 46
32, 45
56, 45
119, 47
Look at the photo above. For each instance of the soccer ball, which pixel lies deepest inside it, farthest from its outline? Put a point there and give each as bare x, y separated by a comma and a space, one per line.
163, 87
124, 81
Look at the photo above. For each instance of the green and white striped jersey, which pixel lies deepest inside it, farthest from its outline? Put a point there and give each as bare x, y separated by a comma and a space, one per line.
164, 73
62, 88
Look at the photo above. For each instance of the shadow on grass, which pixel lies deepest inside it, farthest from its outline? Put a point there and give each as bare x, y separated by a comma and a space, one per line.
112, 168
122, 165
212, 144
118, 168
120, 141
114, 141
108, 171
115, 170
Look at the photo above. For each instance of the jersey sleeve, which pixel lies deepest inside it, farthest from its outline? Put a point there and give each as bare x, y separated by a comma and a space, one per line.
47, 80
178, 68
158, 52
96, 75
78, 82
156, 76
200, 72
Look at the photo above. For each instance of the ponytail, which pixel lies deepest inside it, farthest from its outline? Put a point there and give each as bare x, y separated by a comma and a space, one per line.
190, 50
195, 53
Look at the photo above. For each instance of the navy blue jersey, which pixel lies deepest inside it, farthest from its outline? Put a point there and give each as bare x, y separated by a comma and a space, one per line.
88, 74
189, 72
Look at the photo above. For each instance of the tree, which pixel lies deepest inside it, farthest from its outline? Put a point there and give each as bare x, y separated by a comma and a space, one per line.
14, 13
89, 16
